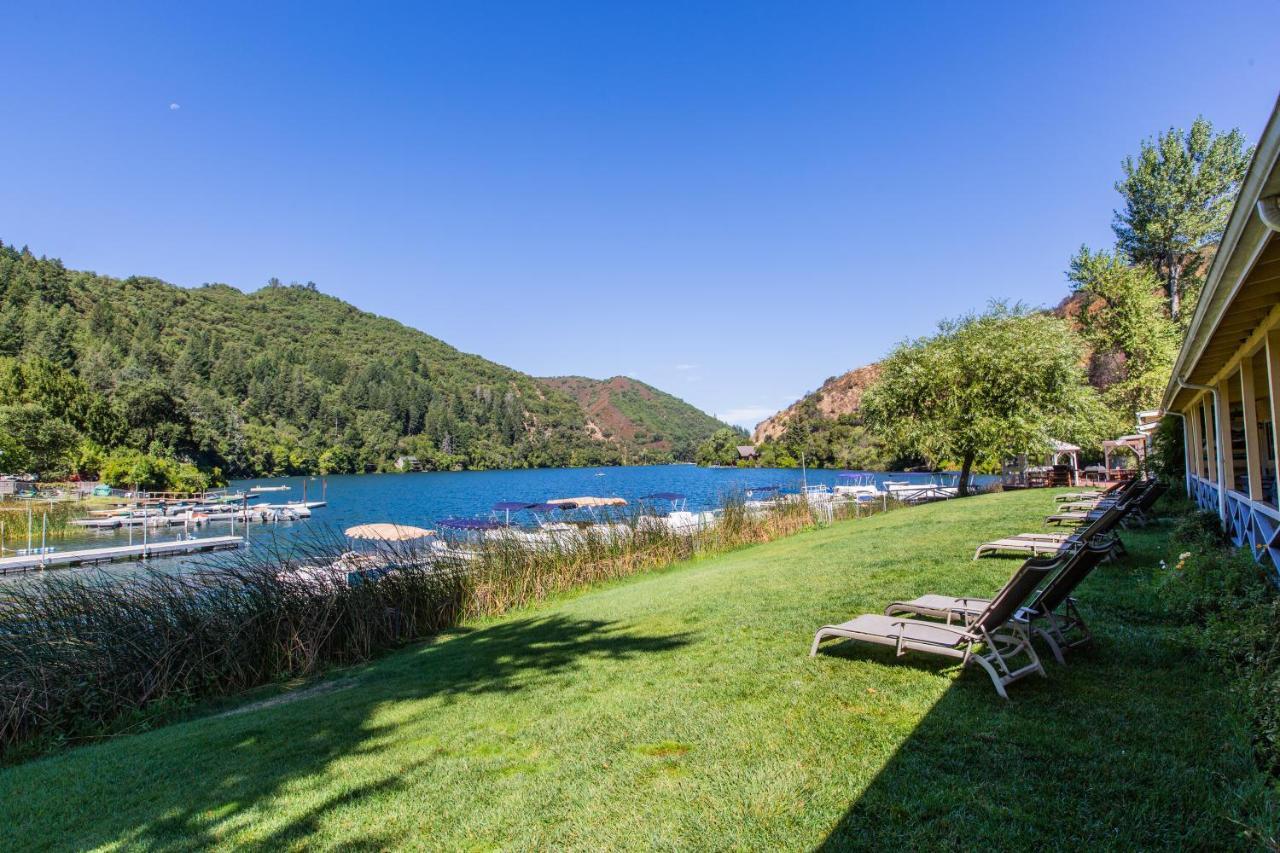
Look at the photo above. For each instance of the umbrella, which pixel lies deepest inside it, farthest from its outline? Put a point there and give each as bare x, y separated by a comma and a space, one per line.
589, 501
388, 532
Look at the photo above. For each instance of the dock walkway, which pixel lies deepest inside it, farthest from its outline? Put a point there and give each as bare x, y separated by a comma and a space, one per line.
13, 565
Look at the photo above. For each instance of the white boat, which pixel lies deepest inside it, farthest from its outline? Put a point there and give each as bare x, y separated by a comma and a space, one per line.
261, 489
908, 492
857, 486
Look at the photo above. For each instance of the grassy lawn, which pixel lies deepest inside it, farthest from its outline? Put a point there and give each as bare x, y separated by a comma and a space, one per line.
680, 710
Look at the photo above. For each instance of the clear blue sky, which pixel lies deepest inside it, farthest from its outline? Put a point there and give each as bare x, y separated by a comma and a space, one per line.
730, 201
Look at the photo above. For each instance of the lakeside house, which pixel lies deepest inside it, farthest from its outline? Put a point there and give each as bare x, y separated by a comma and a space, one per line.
1225, 385
748, 452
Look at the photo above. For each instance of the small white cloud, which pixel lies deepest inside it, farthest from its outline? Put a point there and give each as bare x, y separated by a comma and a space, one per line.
175, 105
685, 366
747, 416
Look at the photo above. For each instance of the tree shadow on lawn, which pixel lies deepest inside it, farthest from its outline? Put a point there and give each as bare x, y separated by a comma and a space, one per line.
1126, 746
243, 760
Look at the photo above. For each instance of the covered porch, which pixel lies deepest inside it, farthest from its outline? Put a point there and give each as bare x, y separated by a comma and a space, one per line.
1225, 386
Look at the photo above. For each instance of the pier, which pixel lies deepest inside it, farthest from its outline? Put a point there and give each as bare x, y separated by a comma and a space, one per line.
87, 556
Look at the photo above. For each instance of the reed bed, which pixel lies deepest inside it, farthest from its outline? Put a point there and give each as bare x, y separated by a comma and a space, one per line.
85, 655
56, 515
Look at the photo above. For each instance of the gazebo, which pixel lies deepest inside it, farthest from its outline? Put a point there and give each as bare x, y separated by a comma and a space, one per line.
1135, 444
1058, 450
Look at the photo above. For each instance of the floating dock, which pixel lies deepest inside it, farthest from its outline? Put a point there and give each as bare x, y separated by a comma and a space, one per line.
86, 556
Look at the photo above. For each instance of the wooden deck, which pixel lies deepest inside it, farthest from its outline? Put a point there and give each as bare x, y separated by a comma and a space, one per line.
14, 565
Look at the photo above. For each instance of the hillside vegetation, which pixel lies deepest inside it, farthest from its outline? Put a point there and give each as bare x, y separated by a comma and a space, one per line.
283, 380
637, 416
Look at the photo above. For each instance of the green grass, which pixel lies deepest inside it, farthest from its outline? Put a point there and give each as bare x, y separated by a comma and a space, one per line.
679, 710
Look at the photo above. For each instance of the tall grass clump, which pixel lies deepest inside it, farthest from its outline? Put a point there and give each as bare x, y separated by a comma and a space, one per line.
84, 654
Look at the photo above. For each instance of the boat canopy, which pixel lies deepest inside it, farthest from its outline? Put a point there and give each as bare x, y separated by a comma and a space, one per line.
548, 507
512, 506
388, 532
469, 524
663, 496
588, 501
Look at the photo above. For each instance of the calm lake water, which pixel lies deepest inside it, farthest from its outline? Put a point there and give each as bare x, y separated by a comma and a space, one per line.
423, 499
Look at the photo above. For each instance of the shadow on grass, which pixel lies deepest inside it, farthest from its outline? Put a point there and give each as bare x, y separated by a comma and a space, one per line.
1128, 746
249, 758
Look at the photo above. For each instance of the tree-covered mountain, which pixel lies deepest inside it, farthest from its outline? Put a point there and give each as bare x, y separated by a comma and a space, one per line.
636, 416
283, 380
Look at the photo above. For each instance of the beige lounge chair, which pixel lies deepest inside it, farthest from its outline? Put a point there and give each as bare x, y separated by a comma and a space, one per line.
1090, 494
1052, 614
991, 640
1038, 544
1133, 508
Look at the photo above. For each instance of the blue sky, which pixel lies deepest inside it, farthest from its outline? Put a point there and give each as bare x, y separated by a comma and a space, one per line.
730, 201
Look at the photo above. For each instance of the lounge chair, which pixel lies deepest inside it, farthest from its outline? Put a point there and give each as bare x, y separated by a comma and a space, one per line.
1132, 488
1134, 508
1090, 494
991, 640
1038, 544
1052, 614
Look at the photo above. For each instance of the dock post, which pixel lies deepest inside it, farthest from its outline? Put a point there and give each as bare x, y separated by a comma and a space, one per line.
44, 527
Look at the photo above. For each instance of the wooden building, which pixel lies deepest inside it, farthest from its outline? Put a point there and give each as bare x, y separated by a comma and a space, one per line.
1226, 381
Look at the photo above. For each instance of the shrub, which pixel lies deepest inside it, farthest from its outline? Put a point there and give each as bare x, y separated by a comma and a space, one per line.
130, 469
1235, 614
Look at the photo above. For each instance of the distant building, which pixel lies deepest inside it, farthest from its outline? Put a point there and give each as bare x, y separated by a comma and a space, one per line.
408, 463
748, 451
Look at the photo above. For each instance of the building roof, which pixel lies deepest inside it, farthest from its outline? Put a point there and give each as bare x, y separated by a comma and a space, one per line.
746, 450
1242, 288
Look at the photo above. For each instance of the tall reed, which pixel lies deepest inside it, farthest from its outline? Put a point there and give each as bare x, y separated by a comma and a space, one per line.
84, 654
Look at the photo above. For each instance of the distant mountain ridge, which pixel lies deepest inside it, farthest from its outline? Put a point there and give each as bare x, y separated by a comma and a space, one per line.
839, 395
631, 413
288, 380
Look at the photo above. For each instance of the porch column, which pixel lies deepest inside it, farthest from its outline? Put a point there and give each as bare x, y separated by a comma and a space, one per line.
1253, 453
1273, 387
1188, 436
1210, 438
1197, 446
1222, 434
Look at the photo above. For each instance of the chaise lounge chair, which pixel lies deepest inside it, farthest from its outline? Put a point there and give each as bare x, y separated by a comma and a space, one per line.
1134, 508
1038, 544
992, 639
1052, 614
1134, 487
1091, 494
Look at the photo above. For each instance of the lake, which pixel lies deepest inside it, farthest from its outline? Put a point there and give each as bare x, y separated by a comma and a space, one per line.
425, 498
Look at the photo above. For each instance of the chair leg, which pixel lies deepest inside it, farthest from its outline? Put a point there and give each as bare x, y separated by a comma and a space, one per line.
1052, 644
991, 671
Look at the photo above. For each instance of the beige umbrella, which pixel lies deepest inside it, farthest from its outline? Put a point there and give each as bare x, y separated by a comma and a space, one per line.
589, 501
388, 532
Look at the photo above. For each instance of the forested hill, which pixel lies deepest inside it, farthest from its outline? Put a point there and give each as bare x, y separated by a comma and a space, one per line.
279, 381
638, 416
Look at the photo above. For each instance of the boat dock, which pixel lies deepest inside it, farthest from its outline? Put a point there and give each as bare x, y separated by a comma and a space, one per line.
86, 556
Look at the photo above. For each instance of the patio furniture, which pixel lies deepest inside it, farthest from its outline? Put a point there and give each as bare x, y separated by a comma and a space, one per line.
1052, 614
992, 640
1038, 544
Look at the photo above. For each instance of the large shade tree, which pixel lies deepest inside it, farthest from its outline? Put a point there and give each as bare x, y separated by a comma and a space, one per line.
1132, 341
1178, 194
985, 387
